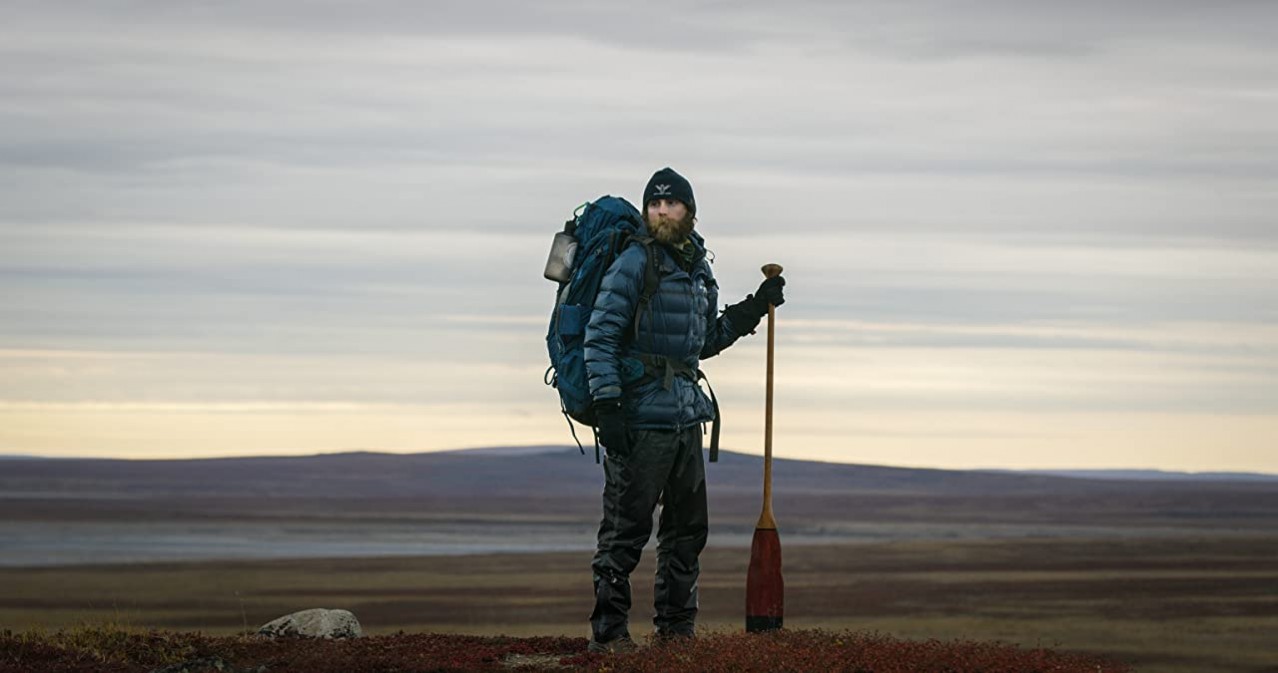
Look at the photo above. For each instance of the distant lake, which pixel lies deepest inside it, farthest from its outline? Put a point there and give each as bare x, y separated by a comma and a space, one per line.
28, 543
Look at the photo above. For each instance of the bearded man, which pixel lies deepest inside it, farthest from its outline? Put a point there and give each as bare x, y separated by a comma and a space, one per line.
642, 363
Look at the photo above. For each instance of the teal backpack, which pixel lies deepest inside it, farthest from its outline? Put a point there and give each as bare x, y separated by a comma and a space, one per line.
583, 251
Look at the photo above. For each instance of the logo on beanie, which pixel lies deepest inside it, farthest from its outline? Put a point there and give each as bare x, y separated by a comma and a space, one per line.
661, 190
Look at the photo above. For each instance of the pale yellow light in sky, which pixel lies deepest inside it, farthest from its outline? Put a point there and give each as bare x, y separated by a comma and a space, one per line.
202, 430
1198, 398
1194, 442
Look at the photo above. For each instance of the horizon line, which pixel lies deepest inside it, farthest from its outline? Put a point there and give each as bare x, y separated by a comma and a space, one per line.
1057, 471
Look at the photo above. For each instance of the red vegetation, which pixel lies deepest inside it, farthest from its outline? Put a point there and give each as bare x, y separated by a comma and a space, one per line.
118, 652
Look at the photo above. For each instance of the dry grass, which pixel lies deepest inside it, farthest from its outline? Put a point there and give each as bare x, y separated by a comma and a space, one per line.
99, 644
789, 651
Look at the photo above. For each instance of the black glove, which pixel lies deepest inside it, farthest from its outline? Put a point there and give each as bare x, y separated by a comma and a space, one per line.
770, 293
746, 314
610, 420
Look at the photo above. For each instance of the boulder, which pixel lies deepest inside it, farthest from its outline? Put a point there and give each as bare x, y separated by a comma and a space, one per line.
315, 623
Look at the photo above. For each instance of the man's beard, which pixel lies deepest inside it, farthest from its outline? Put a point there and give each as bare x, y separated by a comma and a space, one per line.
670, 231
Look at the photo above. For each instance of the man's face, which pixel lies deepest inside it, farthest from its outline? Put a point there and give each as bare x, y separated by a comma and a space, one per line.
669, 220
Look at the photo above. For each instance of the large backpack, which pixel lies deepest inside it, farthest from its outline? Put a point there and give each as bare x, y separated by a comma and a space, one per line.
602, 229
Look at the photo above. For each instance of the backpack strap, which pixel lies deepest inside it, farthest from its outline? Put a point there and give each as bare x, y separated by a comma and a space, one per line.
714, 427
551, 378
662, 368
651, 279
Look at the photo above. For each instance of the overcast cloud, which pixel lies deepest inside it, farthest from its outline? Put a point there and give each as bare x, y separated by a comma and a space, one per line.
1016, 234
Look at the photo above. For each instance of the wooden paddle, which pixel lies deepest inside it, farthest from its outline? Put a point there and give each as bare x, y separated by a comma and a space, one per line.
765, 590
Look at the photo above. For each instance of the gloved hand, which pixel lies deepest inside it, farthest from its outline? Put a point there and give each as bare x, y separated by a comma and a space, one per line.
610, 419
746, 314
770, 293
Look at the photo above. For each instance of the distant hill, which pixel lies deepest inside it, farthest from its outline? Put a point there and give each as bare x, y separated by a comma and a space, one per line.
556, 482
493, 472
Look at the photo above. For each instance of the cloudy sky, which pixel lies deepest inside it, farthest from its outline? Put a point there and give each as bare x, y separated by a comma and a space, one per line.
1016, 234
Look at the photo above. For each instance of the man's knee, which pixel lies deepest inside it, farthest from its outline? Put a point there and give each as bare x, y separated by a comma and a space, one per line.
616, 561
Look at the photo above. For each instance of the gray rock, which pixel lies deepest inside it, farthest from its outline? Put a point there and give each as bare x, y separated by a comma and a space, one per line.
316, 623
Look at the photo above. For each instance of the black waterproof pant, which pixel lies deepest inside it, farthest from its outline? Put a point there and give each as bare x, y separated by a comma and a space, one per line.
662, 465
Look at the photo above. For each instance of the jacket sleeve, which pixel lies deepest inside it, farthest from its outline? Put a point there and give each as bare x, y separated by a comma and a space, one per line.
720, 332
610, 321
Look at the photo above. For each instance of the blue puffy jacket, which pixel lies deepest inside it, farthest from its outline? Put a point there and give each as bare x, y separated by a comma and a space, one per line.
681, 323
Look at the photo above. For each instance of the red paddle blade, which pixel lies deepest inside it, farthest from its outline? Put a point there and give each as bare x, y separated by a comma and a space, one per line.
765, 592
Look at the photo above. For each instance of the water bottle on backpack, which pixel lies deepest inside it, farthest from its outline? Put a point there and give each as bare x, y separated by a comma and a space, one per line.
562, 252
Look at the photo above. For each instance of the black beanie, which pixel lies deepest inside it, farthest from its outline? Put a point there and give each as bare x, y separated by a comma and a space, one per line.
668, 184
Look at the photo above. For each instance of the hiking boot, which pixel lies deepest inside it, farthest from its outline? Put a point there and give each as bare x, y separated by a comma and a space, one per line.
617, 645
